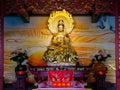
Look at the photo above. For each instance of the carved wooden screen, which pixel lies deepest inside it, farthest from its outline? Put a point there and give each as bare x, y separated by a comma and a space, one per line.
1, 44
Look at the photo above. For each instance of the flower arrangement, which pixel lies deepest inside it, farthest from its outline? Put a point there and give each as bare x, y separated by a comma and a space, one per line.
19, 56
101, 55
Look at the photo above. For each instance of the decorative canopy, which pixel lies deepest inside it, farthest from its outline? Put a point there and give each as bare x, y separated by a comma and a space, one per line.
46, 6
24, 8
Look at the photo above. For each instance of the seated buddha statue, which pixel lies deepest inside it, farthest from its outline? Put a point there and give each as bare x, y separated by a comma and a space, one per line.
60, 49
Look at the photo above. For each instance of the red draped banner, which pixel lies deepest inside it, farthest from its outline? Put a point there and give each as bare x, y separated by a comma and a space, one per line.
61, 78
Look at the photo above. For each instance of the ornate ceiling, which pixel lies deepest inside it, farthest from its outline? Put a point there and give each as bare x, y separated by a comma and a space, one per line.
25, 8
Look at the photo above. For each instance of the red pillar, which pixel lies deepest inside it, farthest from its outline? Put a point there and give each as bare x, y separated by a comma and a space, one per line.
117, 43
1, 43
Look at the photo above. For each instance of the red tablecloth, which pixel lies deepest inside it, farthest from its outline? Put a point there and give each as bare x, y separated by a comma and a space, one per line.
60, 78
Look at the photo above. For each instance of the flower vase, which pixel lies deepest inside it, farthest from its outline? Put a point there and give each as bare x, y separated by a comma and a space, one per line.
20, 69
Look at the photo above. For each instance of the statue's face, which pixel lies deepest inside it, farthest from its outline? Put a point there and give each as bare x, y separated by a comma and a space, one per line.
61, 28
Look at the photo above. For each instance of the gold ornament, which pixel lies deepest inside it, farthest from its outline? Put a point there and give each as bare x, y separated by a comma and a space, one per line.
55, 16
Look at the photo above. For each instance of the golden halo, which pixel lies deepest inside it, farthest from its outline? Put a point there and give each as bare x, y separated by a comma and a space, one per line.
55, 16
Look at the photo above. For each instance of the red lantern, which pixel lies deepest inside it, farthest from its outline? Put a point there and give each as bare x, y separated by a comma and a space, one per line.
59, 84
68, 84
54, 84
63, 84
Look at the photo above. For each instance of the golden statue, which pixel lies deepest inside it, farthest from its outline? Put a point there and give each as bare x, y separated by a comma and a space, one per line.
60, 49
60, 38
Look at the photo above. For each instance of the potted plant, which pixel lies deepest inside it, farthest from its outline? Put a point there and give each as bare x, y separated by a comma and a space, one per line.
19, 56
98, 66
101, 56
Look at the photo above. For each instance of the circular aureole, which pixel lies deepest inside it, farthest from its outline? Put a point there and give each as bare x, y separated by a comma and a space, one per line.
55, 16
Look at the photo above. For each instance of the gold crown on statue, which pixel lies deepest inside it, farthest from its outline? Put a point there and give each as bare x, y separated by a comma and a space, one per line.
60, 22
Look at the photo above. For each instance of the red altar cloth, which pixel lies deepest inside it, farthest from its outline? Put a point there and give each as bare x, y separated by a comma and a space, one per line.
60, 78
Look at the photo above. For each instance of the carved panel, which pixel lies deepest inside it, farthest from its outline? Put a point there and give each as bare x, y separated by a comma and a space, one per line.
37, 7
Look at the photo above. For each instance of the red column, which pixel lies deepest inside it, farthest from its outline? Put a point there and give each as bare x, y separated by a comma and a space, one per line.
117, 43
1, 44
